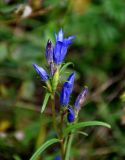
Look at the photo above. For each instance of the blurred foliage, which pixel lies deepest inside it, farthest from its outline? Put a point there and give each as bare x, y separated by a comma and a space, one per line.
98, 54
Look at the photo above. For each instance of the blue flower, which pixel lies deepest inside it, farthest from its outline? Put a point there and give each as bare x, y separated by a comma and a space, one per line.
66, 90
57, 158
81, 98
43, 74
49, 52
70, 115
61, 47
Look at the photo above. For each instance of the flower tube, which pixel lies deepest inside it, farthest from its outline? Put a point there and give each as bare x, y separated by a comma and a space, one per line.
66, 90
61, 47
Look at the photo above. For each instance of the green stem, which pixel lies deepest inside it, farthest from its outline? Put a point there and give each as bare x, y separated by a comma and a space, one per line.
65, 143
54, 115
68, 148
62, 138
59, 134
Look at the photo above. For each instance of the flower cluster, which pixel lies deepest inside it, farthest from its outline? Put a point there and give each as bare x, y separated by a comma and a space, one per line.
55, 55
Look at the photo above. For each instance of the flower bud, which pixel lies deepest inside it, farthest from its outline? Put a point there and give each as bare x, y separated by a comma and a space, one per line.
81, 98
70, 115
66, 90
49, 52
43, 74
51, 69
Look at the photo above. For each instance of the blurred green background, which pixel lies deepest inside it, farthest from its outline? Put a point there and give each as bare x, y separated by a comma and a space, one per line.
98, 54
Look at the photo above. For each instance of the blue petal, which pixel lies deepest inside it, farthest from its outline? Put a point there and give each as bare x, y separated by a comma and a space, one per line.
63, 53
68, 41
57, 52
70, 115
64, 97
70, 38
59, 36
43, 74
60, 51
70, 81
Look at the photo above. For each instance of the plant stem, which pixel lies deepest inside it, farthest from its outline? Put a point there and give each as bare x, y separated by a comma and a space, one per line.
62, 138
69, 143
59, 134
54, 115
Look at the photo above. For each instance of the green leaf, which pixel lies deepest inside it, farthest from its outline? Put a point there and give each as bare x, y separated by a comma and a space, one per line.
65, 66
43, 147
85, 124
83, 133
45, 102
68, 150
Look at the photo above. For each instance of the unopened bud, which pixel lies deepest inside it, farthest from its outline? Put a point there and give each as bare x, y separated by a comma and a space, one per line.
67, 90
49, 52
81, 98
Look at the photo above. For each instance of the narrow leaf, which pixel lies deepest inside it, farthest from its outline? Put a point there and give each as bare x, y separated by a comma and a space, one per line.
65, 66
68, 150
83, 133
43, 147
85, 124
45, 102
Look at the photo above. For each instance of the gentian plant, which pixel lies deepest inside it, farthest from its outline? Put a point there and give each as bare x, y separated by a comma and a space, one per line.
67, 126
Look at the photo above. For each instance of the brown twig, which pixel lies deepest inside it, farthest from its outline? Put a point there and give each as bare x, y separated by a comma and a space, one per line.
107, 84
18, 19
